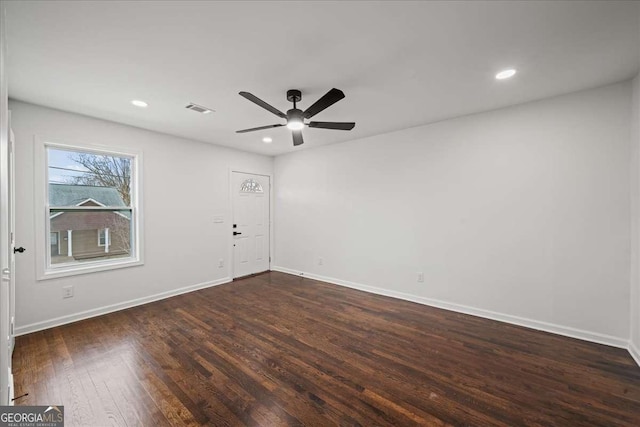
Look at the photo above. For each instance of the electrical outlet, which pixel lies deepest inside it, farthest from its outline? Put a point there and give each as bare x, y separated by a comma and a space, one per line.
220, 263
67, 291
420, 276
321, 261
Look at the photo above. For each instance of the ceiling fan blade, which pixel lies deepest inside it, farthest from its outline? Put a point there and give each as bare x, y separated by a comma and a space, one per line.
297, 137
329, 98
263, 104
258, 128
332, 125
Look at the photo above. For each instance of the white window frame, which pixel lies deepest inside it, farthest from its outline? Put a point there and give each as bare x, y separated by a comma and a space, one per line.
44, 269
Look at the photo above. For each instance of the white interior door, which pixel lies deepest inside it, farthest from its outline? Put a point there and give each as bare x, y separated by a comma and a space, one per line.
7, 230
251, 221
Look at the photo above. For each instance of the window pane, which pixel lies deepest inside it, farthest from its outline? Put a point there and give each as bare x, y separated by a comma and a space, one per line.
79, 178
250, 186
102, 237
85, 236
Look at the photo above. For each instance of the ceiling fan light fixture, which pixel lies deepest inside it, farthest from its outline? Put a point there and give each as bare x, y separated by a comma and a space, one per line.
295, 119
295, 124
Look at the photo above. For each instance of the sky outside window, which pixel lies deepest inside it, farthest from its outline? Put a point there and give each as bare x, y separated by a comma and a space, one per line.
62, 168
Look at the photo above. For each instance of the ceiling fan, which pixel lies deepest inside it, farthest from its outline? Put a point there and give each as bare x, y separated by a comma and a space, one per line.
295, 117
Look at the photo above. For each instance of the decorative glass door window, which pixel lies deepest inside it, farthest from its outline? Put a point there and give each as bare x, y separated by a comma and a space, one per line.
251, 186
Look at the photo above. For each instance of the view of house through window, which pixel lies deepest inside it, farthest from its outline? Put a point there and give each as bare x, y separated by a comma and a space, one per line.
90, 209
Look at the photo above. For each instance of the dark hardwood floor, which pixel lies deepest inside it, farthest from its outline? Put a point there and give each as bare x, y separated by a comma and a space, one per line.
277, 349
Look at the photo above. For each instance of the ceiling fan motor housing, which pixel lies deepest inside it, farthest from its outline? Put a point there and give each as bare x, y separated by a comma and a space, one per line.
294, 115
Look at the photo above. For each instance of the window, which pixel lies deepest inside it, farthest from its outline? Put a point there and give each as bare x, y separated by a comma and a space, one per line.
91, 210
250, 186
102, 237
54, 244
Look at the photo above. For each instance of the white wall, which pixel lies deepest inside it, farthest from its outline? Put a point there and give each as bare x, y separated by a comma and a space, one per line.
521, 214
635, 221
186, 184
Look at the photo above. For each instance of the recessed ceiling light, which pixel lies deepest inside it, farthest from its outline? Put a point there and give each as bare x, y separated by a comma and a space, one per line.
139, 103
505, 74
267, 140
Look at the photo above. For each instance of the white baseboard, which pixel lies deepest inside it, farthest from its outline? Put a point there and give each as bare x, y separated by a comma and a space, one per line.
487, 314
63, 320
635, 353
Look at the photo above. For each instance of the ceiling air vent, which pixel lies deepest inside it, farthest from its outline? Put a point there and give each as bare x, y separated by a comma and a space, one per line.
199, 108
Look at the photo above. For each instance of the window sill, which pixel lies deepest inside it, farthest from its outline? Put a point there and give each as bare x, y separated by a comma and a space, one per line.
55, 273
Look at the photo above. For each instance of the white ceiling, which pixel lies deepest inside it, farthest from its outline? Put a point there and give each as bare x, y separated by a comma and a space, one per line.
400, 64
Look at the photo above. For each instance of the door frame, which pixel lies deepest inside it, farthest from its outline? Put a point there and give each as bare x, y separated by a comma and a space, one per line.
230, 252
12, 243
6, 215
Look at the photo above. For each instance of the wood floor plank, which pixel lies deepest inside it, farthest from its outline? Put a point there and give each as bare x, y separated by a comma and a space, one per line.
282, 350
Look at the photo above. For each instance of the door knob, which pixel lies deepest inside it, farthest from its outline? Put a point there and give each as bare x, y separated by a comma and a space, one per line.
235, 233
20, 249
